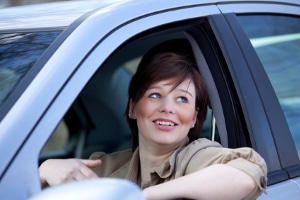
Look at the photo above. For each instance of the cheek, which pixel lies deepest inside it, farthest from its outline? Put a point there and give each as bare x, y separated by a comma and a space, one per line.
143, 109
188, 115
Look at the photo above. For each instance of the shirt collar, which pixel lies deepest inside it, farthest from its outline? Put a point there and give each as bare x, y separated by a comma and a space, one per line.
134, 167
166, 169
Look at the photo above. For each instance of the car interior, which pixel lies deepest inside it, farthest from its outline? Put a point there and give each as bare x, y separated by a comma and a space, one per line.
95, 121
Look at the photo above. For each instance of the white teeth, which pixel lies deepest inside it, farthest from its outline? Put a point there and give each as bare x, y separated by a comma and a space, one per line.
165, 123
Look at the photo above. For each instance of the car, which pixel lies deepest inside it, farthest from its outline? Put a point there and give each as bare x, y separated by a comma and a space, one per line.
65, 68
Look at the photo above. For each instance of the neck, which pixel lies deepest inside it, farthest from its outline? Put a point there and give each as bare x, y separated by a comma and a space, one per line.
149, 161
152, 156
153, 159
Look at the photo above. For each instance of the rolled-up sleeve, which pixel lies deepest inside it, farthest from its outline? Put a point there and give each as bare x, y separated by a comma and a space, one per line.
244, 159
251, 163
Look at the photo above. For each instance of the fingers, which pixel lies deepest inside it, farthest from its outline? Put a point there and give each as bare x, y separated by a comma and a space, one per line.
82, 169
86, 171
91, 163
56, 171
81, 174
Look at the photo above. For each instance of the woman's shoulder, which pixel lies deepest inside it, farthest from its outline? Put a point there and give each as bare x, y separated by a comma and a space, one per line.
210, 150
186, 154
202, 153
201, 143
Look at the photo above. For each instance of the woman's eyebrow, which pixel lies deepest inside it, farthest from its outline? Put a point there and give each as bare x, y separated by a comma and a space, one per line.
186, 91
153, 87
182, 90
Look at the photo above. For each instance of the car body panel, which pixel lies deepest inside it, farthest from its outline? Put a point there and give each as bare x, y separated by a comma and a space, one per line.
278, 191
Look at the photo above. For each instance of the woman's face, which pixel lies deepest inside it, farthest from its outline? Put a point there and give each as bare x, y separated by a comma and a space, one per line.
165, 116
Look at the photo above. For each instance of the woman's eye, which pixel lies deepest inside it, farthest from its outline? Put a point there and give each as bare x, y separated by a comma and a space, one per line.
155, 95
182, 99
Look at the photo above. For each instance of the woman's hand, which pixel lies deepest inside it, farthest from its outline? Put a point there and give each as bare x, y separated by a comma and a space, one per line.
57, 171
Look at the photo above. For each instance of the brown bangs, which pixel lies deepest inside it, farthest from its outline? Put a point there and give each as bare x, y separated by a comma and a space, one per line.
164, 66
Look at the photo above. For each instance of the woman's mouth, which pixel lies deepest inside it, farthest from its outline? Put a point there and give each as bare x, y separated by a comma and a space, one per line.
165, 123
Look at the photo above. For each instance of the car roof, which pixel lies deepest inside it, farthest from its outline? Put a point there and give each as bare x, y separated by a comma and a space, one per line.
55, 14
62, 14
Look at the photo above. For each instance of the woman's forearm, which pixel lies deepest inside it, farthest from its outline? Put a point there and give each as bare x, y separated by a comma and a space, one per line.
214, 182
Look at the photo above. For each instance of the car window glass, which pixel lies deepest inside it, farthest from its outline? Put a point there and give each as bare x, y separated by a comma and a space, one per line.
276, 40
18, 53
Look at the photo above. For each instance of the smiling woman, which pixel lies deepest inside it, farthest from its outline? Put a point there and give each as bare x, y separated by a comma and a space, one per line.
166, 108
177, 66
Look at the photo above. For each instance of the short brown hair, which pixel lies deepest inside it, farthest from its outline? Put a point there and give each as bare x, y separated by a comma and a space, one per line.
169, 60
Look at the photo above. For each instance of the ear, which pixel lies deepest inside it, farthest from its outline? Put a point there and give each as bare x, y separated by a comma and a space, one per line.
195, 117
131, 113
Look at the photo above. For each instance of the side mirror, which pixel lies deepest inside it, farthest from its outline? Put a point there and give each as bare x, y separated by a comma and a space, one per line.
102, 188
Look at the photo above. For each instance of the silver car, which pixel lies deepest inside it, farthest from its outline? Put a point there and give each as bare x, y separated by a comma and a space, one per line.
65, 68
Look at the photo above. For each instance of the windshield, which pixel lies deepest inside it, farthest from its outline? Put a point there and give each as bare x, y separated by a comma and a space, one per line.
18, 53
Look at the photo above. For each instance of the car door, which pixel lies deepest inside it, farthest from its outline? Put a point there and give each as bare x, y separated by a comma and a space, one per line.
65, 72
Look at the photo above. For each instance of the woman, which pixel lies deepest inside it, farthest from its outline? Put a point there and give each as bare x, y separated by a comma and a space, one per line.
166, 109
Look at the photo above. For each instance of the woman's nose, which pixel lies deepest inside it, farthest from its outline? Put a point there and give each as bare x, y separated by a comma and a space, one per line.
167, 106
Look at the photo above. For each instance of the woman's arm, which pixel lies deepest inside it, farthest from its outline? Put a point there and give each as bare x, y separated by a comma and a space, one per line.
57, 171
217, 181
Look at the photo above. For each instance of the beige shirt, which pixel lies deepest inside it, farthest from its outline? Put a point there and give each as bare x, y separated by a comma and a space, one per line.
197, 155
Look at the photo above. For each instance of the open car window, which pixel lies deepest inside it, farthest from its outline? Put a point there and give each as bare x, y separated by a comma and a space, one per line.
95, 121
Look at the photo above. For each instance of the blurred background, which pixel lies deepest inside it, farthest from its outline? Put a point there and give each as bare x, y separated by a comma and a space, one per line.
9, 3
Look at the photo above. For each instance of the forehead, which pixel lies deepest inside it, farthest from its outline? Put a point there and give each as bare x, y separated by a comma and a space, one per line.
173, 84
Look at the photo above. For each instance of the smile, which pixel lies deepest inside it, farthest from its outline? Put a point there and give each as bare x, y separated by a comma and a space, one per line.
164, 123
